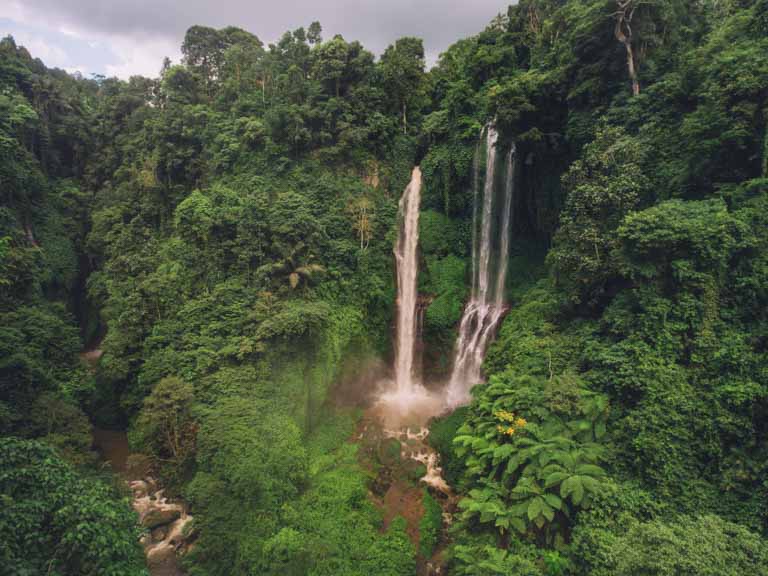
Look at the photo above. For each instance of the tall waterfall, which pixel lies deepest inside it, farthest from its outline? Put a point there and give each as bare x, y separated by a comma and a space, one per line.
406, 255
404, 401
492, 215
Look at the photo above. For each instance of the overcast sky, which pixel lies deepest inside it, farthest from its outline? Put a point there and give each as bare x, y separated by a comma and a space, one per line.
121, 38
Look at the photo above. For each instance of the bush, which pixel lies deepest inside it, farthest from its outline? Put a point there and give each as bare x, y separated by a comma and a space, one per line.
429, 525
442, 431
687, 546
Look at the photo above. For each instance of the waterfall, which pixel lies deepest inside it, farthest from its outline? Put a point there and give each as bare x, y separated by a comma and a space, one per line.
405, 401
406, 255
492, 215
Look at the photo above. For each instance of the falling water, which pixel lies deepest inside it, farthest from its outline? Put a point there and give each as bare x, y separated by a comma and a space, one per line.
490, 254
405, 400
407, 277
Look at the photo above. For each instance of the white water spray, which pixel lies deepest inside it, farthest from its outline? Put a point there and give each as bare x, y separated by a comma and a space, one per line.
489, 271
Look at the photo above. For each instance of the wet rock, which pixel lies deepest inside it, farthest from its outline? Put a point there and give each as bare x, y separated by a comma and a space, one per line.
142, 505
161, 559
180, 531
151, 484
139, 488
159, 534
157, 516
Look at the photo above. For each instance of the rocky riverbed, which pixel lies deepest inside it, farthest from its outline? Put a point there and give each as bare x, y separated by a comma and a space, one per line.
167, 523
168, 526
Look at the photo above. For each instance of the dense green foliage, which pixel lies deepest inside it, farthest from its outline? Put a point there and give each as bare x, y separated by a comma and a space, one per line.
236, 243
223, 233
636, 370
54, 522
247, 227
429, 526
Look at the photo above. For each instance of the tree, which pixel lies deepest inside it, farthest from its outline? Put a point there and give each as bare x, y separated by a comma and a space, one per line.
205, 50
364, 219
602, 188
403, 71
165, 423
314, 33
625, 12
180, 85
330, 62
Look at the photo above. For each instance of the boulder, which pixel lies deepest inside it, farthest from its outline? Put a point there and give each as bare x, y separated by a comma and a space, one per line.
159, 533
181, 530
161, 558
157, 516
151, 484
139, 488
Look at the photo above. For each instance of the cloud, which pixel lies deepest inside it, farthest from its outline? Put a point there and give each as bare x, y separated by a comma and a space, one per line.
141, 58
54, 56
141, 32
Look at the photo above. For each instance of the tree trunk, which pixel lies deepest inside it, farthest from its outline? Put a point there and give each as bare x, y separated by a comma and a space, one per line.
631, 68
405, 119
623, 33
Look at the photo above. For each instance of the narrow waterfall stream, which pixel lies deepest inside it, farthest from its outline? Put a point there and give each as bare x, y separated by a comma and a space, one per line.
406, 254
492, 216
405, 401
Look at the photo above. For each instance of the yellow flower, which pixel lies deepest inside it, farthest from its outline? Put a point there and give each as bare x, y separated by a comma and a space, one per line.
504, 415
521, 422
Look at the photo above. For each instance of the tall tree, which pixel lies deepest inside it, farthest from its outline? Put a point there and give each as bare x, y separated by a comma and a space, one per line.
625, 12
403, 70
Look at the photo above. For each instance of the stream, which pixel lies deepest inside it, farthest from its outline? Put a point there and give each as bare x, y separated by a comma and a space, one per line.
164, 519
405, 466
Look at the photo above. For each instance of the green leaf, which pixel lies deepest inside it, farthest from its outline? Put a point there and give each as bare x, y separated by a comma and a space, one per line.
573, 488
514, 463
536, 508
519, 509
503, 452
554, 501
548, 512
590, 470
518, 525
590, 484
487, 515
582, 425
555, 478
